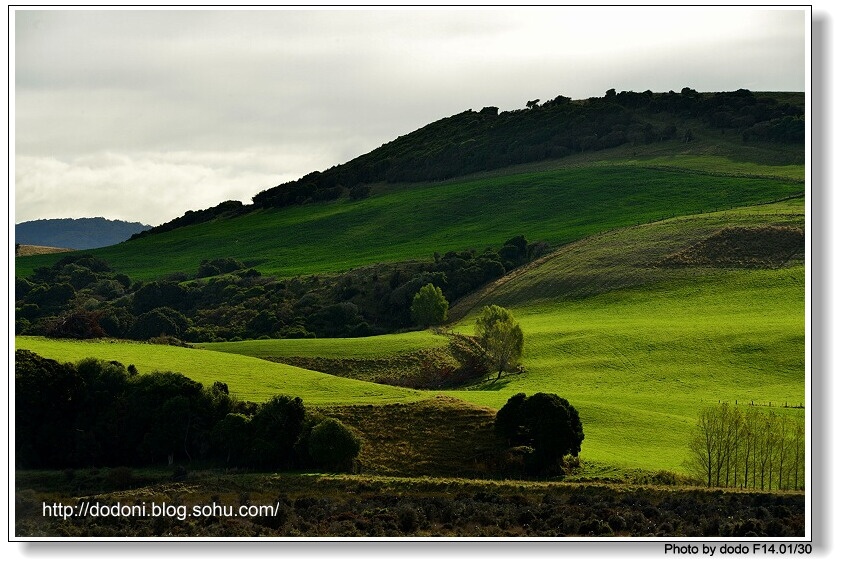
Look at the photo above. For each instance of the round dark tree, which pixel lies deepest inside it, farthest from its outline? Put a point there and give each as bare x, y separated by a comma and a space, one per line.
545, 422
554, 426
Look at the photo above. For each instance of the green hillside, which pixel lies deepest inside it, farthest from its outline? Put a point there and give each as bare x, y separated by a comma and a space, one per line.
556, 171
559, 205
637, 343
641, 347
630, 257
763, 127
640, 364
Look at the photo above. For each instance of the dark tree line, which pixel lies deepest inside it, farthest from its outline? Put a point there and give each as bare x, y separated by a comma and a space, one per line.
96, 413
81, 297
488, 139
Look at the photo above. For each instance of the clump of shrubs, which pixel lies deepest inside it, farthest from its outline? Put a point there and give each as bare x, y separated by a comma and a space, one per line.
332, 445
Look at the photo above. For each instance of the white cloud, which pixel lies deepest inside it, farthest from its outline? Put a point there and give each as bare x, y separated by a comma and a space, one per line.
147, 187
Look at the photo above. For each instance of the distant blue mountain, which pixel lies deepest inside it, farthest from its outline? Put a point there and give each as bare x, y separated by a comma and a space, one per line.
79, 234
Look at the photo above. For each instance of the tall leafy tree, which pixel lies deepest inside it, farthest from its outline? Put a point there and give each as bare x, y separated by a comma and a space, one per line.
429, 306
501, 337
275, 428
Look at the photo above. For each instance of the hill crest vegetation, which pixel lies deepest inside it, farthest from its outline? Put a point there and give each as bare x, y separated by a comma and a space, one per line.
489, 139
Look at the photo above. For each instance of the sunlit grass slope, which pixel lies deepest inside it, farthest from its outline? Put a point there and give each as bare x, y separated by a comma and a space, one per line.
626, 257
640, 348
248, 378
640, 363
557, 205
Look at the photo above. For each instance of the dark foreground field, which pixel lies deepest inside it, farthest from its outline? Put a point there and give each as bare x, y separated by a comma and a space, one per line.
358, 506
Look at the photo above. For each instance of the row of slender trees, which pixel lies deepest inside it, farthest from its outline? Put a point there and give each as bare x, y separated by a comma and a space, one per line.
749, 447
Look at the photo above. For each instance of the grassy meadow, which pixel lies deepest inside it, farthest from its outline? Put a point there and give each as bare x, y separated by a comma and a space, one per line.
639, 364
640, 348
249, 378
631, 342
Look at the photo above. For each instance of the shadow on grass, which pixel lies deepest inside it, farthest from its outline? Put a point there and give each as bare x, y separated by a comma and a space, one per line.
491, 384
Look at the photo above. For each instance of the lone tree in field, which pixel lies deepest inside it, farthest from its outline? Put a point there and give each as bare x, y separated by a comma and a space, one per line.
544, 422
501, 338
429, 306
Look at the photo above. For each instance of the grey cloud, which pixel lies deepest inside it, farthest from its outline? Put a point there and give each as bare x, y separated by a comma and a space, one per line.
317, 88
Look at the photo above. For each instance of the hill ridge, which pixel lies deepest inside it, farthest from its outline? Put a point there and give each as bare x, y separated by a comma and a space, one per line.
485, 140
80, 234
555, 205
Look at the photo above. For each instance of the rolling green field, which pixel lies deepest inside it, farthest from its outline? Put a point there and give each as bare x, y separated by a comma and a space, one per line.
558, 205
639, 364
640, 347
637, 346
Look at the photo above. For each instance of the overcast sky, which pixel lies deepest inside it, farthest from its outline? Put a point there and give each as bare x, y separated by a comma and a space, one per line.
143, 115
